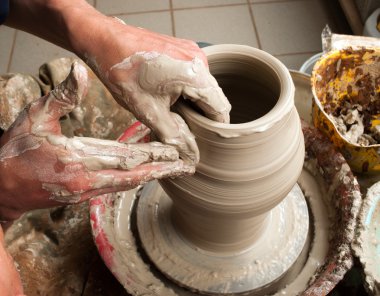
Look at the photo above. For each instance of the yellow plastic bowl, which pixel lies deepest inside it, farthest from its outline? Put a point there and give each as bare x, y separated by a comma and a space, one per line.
334, 82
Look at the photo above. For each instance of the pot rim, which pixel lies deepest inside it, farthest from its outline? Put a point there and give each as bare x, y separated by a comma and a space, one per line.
284, 104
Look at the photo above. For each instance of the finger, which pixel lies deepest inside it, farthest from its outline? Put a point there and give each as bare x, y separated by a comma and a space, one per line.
204, 91
60, 100
211, 101
96, 154
68, 94
172, 130
168, 126
108, 181
185, 142
165, 76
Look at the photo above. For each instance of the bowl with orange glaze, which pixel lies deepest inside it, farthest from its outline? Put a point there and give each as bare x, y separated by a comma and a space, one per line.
346, 105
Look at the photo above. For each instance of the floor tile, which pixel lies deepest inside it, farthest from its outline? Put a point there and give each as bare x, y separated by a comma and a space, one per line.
31, 52
160, 22
6, 37
216, 25
290, 27
294, 61
203, 3
128, 6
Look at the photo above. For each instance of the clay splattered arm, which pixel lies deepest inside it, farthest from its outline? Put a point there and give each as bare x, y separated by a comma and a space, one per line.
39, 167
123, 56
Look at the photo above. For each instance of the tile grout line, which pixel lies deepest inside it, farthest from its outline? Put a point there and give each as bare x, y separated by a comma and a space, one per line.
95, 3
210, 6
254, 25
12, 50
176, 9
138, 12
172, 17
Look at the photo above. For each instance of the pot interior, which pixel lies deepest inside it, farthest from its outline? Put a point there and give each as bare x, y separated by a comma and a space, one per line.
251, 86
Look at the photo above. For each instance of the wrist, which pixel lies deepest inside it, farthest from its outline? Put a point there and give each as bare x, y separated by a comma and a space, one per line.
99, 39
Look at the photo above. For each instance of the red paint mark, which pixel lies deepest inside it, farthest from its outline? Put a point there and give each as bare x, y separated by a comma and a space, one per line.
130, 131
105, 248
146, 139
101, 240
96, 201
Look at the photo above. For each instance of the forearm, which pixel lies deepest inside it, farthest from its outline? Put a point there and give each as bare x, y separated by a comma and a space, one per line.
99, 40
41, 18
75, 26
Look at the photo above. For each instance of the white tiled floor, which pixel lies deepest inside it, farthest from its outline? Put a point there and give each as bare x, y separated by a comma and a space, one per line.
230, 24
288, 29
6, 36
29, 52
160, 22
297, 30
130, 6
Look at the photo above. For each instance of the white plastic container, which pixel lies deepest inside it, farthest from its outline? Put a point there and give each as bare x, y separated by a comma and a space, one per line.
370, 26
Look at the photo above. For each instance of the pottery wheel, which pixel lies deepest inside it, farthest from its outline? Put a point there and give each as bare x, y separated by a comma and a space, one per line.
265, 261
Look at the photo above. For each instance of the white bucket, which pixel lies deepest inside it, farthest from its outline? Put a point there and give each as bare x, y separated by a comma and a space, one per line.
307, 67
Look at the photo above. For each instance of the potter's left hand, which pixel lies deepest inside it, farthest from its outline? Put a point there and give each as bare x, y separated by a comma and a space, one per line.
39, 167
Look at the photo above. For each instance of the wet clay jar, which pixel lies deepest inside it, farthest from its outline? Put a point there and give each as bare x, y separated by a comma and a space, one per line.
241, 221
246, 167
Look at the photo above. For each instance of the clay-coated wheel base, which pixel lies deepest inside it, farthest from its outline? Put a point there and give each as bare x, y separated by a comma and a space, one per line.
208, 272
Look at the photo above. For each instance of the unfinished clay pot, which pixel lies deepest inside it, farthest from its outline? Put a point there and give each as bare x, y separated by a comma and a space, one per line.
218, 223
246, 167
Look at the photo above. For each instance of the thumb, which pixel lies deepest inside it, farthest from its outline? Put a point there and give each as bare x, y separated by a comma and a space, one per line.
42, 116
68, 94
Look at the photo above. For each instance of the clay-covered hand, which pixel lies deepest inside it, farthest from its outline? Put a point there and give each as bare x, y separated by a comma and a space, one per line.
39, 167
147, 72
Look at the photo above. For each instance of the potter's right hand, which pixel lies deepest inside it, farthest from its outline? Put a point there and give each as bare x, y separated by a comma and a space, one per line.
149, 83
147, 72
39, 167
